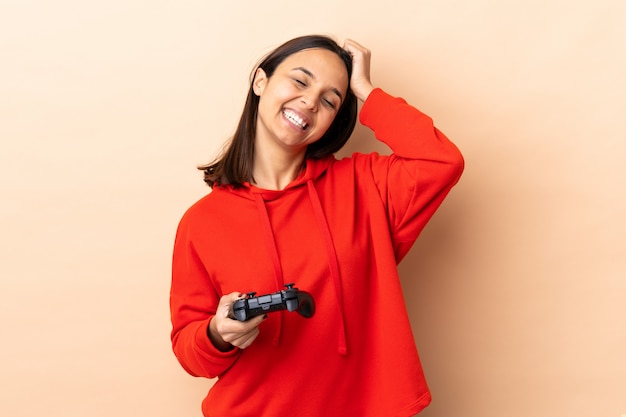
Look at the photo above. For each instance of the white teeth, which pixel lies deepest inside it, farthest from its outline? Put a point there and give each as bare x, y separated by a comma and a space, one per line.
294, 119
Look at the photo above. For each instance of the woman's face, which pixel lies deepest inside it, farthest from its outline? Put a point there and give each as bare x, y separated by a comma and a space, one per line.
298, 103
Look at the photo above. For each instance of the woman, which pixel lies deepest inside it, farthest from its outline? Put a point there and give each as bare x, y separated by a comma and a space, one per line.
284, 209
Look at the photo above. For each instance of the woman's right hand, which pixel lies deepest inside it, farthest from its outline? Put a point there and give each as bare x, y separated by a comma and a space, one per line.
226, 332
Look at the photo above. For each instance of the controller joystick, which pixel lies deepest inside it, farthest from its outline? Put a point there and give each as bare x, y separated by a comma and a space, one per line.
290, 299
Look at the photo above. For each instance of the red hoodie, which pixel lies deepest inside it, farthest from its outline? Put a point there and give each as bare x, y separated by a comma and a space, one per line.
338, 231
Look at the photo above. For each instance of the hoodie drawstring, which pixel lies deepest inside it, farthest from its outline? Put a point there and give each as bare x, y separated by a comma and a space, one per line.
273, 251
332, 261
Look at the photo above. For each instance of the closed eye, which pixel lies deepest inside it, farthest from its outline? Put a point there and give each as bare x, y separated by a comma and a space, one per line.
310, 75
330, 104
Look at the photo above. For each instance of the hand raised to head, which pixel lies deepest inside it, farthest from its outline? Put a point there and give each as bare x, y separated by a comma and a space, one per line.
360, 83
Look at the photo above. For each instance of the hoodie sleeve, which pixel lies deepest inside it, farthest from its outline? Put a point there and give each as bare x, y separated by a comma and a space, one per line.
193, 303
424, 165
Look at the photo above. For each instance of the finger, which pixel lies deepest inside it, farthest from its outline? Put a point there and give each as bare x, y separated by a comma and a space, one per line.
354, 47
246, 340
242, 334
232, 297
238, 327
226, 302
233, 328
255, 321
239, 332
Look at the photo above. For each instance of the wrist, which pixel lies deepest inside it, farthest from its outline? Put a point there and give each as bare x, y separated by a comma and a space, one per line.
364, 92
215, 338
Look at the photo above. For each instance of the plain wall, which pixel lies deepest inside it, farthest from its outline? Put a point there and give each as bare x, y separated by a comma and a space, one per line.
516, 289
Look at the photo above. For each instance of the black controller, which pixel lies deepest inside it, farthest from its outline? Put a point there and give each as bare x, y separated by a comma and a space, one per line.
290, 299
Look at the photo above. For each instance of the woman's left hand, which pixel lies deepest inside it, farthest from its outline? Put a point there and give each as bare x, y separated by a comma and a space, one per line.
360, 83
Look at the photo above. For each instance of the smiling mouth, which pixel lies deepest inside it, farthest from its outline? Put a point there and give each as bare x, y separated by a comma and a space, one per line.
295, 119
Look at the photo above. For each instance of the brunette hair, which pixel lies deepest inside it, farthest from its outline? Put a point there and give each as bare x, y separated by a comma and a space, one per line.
234, 166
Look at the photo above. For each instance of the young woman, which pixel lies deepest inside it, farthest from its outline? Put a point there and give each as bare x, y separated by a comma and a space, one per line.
283, 209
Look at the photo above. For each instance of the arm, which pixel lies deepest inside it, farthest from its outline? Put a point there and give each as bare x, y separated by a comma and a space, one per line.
425, 165
204, 339
423, 168
193, 304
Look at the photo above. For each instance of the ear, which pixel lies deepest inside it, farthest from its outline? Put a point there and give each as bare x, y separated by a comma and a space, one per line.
259, 82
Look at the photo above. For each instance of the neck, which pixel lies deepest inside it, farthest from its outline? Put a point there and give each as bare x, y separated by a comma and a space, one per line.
275, 172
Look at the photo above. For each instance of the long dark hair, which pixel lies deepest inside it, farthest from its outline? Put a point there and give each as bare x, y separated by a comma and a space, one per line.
234, 166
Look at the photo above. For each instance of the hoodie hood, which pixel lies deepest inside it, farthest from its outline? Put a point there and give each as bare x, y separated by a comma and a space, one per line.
314, 169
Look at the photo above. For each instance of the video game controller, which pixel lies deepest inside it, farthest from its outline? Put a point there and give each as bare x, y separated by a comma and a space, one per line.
290, 299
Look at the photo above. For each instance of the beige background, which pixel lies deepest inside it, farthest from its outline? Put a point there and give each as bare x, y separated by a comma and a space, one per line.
517, 288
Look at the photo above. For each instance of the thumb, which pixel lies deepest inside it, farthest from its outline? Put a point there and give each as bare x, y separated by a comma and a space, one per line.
226, 303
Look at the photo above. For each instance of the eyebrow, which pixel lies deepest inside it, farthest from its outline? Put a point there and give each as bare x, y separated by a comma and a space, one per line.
310, 74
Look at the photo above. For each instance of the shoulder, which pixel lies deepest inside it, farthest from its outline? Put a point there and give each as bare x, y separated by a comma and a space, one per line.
201, 207
220, 203
360, 161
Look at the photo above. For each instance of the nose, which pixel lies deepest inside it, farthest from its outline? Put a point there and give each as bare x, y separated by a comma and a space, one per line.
309, 102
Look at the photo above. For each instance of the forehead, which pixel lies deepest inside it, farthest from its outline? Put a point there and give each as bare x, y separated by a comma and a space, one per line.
326, 66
